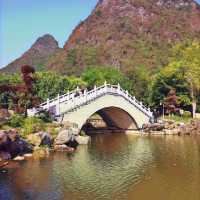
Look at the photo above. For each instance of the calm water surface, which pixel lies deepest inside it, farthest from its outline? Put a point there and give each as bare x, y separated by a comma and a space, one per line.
112, 167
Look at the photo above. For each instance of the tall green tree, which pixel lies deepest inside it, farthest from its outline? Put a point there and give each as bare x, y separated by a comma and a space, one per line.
74, 82
5, 100
182, 73
50, 84
140, 79
163, 82
186, 64
98, 75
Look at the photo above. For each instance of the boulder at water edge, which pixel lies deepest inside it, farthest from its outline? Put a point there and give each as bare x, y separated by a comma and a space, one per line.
4, 155
19, 158
46, 138
19, 147
3, 139
40, 152
12, 144
40, 138
34, 139
63, 137
13, 135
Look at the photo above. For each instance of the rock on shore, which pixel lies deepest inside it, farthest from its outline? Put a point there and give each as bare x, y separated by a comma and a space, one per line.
12, 145
169, 127
69, 138
40, 138
37, 145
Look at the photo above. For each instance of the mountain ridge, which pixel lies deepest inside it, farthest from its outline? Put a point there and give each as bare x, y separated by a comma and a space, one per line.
118, 33
36, 55
127, 34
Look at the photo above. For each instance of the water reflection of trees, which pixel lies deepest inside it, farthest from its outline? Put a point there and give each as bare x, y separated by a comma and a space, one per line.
111, 168
34, 180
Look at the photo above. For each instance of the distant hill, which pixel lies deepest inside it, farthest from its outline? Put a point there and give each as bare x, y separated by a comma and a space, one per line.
121, 33
36, 56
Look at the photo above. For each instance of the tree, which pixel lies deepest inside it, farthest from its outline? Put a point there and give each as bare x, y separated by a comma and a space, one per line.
74, 82
140, 79
163, 82
5, 79
182, 73
171, 102
50, 84
98, 75
23, 94
186, 64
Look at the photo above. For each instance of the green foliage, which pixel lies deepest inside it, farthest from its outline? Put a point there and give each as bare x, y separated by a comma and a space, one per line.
89, 55
150, 86
98, 75
198, 108
140, 79
178, 118
50, 84
5, 80
186, 64
186, 114
182, 73
71, 59
45, 117
184, 100
165, 80
32, 125
10, 79
73, 82
52, 129
16, 121
40, 67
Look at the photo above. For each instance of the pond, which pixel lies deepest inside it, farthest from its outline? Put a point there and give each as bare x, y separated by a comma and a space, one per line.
112, 167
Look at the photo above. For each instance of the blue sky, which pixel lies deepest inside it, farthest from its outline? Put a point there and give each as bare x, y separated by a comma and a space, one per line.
23, 21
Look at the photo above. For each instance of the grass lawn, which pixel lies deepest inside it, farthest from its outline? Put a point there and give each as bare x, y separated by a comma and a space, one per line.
178, 118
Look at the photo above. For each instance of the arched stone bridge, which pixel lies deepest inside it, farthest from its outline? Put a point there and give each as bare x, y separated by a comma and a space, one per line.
116, 106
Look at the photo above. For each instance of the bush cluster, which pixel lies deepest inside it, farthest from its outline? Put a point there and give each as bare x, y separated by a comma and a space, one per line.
16, 121
32, 125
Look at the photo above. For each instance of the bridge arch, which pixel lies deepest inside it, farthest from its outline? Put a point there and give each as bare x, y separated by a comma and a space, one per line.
115, 106
116, 117
112, 99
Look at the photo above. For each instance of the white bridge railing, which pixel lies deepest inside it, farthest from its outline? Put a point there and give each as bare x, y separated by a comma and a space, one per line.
72, 100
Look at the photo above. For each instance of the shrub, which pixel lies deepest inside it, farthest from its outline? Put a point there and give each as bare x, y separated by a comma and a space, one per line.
198, 109
52, 129
16, 121
187, 114
32, 125
45, 117
71, 57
